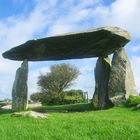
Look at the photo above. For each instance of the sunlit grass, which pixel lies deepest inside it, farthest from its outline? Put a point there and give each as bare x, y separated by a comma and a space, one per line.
112, 124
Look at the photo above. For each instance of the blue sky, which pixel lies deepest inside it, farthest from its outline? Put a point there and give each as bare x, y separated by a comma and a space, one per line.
22, 20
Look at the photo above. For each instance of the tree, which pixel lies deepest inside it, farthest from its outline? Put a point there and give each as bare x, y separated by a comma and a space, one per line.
58, 79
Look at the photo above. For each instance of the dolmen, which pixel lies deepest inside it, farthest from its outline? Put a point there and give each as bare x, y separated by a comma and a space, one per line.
114, 81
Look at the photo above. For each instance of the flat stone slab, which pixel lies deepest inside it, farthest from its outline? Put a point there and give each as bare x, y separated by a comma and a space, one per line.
91, 43
30, 114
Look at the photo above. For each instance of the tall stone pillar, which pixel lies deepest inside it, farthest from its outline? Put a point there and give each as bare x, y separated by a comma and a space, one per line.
20, 88
102, 72
121, 83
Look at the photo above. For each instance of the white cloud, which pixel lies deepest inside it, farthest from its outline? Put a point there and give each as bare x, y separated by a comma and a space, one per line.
135, 49
122, 13
7, 72
73, 15
90, 14
85, 83
135, 62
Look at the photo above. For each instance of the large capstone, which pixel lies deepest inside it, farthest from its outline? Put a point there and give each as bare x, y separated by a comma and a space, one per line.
102, 72
92, 43
20, 89
121, 83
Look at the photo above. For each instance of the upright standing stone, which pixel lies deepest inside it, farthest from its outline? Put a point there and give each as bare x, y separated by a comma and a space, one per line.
20, 89
121, 82
102, 72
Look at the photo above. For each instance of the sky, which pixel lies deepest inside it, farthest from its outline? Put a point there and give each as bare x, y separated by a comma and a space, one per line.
22, 20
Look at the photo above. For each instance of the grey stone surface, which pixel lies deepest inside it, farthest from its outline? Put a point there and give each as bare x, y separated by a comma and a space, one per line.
20, 88
92, 43
118, 100
32, 114
121, 82
102, 72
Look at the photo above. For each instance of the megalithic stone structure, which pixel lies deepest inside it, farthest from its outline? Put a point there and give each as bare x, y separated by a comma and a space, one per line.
102, 72
121, 82
20, 88
99, 42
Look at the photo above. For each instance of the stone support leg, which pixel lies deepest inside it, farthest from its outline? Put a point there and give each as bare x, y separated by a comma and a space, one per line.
121, 82
20, 88
102, 72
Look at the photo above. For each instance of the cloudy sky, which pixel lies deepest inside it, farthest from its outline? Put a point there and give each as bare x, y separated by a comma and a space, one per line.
22, 20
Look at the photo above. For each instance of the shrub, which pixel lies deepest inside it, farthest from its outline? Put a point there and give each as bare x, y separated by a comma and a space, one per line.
36, 97
72, 99
66, 97
52, 99
77, 94
133, 101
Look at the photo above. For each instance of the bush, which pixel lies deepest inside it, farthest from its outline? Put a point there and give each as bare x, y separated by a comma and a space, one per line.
52, 99
72, 99
79, 94
36, 97
133, 101
66, 97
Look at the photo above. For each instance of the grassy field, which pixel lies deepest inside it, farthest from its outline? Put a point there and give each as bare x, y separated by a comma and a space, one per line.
117, 123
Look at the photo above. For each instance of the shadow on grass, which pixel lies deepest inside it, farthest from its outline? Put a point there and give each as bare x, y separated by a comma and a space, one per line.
134, 109
130, 107
5, 111
65, 108
76, 108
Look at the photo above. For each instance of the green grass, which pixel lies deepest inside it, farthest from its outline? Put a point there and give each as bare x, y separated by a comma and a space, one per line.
117, 123
70, 108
